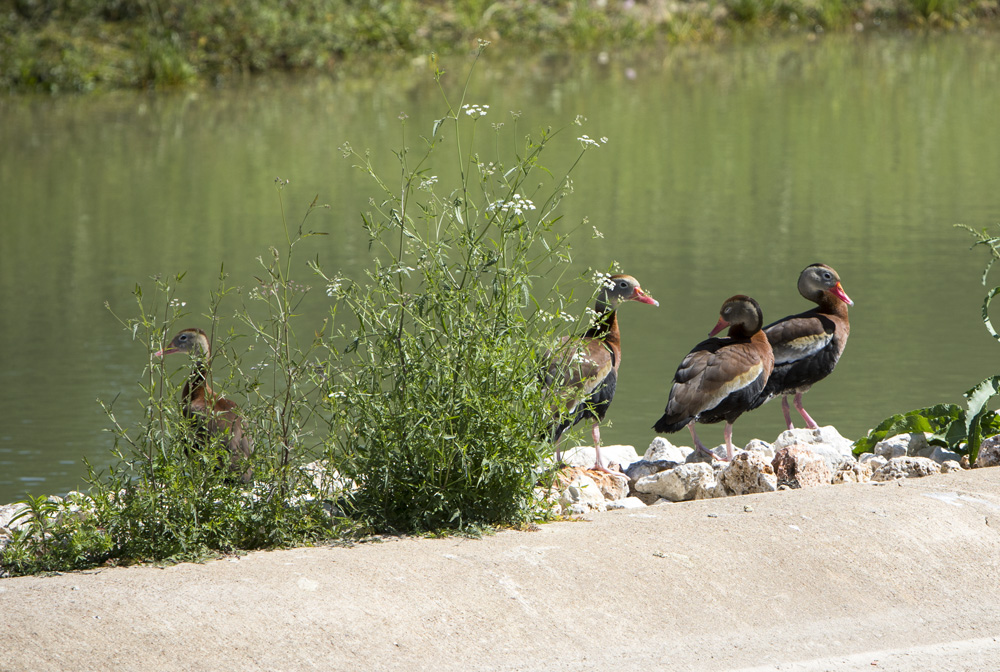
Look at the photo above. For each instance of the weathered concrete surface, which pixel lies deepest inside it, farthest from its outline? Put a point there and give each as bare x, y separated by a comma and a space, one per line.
894, 576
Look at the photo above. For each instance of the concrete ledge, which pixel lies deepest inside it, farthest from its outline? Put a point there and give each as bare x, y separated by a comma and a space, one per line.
894, 576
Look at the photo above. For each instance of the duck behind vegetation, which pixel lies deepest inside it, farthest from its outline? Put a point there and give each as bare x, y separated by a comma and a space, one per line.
587, 367
214, 415
721, 377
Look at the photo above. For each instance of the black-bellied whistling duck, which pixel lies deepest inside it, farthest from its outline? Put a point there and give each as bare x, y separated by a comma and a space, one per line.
721, 377
214, 415
808, 346
587, 368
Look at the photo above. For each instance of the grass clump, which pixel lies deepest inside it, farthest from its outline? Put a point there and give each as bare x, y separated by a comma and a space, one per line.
416, 405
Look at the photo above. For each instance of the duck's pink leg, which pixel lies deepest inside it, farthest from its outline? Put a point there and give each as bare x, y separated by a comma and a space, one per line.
598, 464
729, 441
810, 423
699, 445
786, 411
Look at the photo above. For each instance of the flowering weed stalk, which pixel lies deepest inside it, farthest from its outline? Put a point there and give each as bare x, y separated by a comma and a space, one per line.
436, 405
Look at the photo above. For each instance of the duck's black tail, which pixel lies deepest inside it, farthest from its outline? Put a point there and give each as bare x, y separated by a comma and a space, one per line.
669, 424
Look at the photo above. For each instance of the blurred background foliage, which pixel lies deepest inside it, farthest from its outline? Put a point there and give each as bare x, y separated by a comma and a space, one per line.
82, 45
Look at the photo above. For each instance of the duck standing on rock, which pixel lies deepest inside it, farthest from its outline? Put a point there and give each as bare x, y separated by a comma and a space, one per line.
214, 415
808, 346
587, 368
721, 377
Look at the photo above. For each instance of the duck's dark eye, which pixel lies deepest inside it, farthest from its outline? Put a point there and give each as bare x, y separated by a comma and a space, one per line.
623, 284
184, 337
827, 276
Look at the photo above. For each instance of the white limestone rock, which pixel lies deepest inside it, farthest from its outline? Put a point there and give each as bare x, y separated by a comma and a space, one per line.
585, 456
682, 483
942, 455
8, 512
906, 467
748, 473
627, 503
872, 459
661, 449
613, 488
859, 472
763, 447
644, 467
580, 494
797, 466
914, 445
949, 466
825, 441
989, 452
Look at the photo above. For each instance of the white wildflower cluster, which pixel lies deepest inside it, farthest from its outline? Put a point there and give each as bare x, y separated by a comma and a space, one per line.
587, 141
604, 279
487, 168
597, 234
581, 356
560, 315
428, 182
177, 303
333, 287
518, 204
475, 110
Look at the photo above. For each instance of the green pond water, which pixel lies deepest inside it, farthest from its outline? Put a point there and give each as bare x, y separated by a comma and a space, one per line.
727, 170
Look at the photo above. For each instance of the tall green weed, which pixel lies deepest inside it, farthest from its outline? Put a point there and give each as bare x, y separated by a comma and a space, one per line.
436, 403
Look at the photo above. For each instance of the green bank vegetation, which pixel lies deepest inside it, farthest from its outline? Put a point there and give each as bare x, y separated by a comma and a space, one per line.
416, 406
81, 45
958, 428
